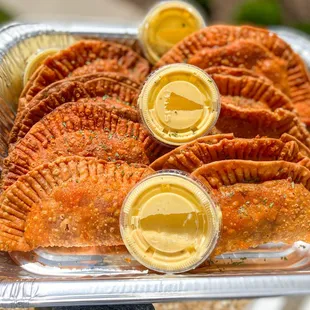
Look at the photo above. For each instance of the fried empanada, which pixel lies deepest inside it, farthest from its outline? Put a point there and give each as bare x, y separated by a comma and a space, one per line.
261, 202
89, 86
62, 64
248, 123
106, 129
214, 36
252, 88
101, 65
302, 147
73, 201
191, 156
251, 107
239, 72
304, 150
248, 55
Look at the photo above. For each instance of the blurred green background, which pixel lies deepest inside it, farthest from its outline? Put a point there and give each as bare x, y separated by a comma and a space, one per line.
293, 13
5, 16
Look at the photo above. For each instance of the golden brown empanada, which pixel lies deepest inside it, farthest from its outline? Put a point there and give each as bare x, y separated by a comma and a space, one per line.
89, 86
221, 35
191, 156
105, 129
261, 202
73, 201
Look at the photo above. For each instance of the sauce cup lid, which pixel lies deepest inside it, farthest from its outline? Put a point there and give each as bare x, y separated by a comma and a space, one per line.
34, 62
167, 23
169, 223
179, 103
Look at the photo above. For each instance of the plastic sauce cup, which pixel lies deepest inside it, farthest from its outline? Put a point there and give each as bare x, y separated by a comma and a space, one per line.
169, 223
166, 24
35, 61
179, 103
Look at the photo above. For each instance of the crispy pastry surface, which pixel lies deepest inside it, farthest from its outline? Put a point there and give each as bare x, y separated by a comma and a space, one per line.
260, 201
239, 72
101, 65
191, 156
248, 123
303, 148
220, 35
73, 201
106, 129
85, 52
89, 86
248, 55
251, 107
252, 88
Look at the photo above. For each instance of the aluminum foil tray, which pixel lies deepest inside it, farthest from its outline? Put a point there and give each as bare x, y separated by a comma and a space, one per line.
54, 277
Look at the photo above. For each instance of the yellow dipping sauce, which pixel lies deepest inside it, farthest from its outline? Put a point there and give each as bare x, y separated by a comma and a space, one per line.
167, 24
35, 61
169, 223
179, 103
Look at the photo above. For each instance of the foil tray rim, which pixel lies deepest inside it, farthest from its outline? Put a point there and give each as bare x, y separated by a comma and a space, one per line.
35, 293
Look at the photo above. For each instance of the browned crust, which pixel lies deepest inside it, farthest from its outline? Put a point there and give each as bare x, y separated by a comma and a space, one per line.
248, 123
248, 55
262, 115
302, 147
92, 250
260, 201
214, 175
93, 85
220, 35
304, 150
72, 201
238, 72
162, 162
194, 155
244, 103
101, 65
60, 65
105, 129
252, 88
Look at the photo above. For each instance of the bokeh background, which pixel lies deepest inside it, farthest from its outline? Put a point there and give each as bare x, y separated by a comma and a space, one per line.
291, 13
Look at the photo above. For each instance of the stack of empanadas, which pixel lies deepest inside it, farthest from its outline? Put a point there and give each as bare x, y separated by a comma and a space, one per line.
251, 48
257, 169
261, 185
76, 149
77, 146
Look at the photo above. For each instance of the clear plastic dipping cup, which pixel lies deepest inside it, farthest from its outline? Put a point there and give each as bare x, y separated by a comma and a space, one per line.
179, 103
169, 223
166, 24
34, 62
